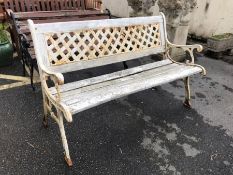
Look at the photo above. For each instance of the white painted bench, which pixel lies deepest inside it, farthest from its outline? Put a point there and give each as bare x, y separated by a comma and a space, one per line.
71, 46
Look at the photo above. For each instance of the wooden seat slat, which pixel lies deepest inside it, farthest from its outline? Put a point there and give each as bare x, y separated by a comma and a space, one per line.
108, 77
126, 78
125, 86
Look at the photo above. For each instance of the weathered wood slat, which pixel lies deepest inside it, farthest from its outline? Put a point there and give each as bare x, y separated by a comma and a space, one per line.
69, 95
108, 77
12, 5
24, 28
96, 97
6, 4
74, 4
17, 8
38, 5
32, 15
64, 19
43, 8
27, 5
33, 5
46, 5
82, 4
22, 5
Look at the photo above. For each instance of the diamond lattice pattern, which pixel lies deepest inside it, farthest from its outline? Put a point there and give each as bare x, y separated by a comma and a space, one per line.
92, 44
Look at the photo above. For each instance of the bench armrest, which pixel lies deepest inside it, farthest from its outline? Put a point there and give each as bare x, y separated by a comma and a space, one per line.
189, 49
56, 77
186, 47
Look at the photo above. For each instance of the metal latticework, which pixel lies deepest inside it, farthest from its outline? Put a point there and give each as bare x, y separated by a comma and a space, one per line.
93, 44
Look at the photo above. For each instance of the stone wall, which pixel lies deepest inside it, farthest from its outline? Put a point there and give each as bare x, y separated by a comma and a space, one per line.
130, 8
212, 17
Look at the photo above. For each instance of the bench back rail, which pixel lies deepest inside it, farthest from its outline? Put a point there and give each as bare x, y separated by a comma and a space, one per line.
71, 46
43, 5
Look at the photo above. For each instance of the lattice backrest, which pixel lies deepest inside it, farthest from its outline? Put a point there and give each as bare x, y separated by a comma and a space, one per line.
43, 5
88, 44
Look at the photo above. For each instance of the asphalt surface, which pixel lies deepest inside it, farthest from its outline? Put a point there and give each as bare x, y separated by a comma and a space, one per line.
145, 133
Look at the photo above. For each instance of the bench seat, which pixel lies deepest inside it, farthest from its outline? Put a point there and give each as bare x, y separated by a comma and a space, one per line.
85, 94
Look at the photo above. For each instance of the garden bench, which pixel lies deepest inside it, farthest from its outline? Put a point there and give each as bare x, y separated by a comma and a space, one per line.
44, 11
71, 46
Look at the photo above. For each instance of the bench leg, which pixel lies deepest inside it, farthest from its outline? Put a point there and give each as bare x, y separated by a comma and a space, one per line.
187, 93
32, 75
125, 65
46, 111
64, 140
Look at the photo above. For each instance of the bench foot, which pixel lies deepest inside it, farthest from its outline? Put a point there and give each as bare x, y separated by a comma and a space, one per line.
32, 75
187, 104
68, 162
64, 139
46, 111
45, 122
187, 93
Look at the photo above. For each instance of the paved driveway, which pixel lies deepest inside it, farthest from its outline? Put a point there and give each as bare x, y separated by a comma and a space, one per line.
145, 133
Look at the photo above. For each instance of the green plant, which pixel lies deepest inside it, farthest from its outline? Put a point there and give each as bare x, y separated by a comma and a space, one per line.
222, 36
3, 37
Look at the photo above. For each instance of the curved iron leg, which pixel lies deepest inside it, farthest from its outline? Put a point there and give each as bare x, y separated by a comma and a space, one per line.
31, 74
64, 139
24, 69
46, 111
187, 93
